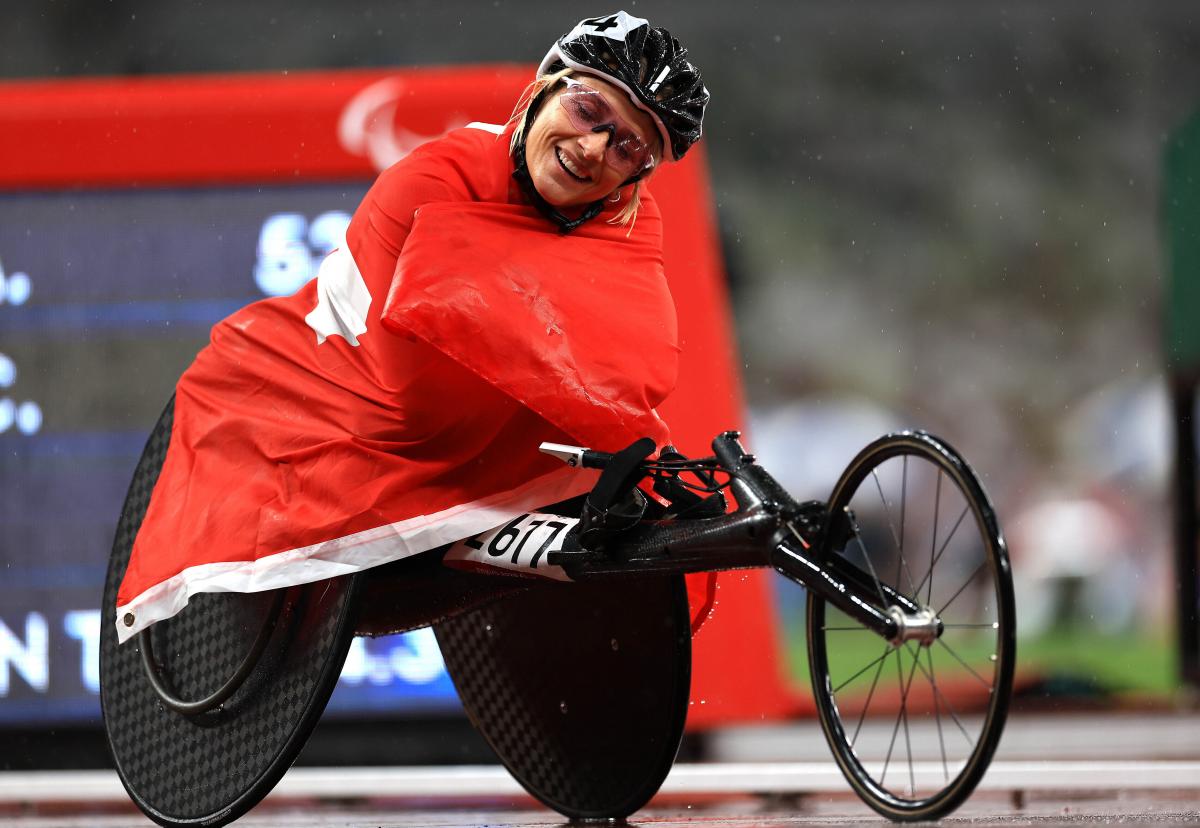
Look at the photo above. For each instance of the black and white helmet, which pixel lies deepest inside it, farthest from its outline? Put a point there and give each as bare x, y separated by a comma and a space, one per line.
647, 63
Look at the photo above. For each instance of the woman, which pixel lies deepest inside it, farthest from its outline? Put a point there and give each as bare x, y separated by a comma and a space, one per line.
500, 287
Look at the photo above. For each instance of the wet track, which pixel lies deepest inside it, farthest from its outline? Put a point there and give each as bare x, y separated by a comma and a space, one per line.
1163, 808
1059, 770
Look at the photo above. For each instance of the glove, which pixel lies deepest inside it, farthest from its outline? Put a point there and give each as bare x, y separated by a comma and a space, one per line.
614, 504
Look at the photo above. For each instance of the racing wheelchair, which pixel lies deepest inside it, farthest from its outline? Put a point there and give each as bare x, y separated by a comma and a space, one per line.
582, 688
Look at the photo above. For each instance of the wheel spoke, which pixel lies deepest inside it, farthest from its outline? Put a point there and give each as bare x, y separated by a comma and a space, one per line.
937, 712
903, 508
949, 709
912, 779
891, 523
903, 714
870, 566
863, 670
937, 507
896, 728
966, 583
867, 704
945, 543
982, 680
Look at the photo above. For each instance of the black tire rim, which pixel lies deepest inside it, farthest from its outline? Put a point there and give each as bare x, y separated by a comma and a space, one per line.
914, 725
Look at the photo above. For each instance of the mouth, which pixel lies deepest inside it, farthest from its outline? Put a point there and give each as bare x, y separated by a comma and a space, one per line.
570, 168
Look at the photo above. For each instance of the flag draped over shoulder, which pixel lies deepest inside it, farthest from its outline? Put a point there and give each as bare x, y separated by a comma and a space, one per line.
396, 402
572, 326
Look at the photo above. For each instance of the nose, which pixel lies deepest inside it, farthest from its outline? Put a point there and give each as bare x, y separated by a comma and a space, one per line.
593, 145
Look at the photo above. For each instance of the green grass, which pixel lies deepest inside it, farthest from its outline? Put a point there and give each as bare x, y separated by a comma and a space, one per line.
1139, 663
1134, 662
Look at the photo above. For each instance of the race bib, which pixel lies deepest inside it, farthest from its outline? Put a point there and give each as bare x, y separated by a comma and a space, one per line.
519, 547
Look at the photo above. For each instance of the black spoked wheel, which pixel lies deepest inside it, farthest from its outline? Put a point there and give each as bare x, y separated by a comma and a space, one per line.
913, 723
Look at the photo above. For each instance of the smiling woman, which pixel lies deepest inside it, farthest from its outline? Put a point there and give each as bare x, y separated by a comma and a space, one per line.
392, 408
394, 404
586, 149
641, 95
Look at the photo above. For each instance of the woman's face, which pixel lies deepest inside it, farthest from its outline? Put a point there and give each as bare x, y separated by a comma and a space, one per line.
571, 167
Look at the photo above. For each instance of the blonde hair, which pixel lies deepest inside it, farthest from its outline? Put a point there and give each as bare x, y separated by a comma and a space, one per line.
628, 213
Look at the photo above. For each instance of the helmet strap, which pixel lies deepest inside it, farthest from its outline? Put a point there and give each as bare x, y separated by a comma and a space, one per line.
525, 180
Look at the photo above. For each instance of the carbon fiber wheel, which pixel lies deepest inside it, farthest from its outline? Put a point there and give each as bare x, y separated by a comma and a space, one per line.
581, 689
212, 767
914, 723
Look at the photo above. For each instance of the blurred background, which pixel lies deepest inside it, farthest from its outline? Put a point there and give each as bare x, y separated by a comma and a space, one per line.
933, 214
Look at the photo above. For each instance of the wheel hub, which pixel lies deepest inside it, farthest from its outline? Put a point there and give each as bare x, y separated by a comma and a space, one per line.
924, 626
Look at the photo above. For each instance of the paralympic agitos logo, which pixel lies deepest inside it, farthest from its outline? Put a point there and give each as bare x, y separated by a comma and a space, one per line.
369, 125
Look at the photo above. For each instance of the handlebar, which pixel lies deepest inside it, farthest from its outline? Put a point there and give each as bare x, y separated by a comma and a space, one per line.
750, 483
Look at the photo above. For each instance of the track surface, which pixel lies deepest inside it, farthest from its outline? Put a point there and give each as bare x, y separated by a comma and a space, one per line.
1049, 771
1179, 808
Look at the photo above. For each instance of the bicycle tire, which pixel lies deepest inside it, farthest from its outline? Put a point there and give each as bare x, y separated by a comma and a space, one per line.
976, 646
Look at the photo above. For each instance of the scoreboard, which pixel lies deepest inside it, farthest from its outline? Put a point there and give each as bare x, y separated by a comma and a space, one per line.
107, 297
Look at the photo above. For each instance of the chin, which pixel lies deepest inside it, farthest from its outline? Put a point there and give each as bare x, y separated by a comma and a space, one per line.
557, 195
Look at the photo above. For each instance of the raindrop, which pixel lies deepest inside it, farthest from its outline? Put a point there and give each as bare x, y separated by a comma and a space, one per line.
616, 646
562, 706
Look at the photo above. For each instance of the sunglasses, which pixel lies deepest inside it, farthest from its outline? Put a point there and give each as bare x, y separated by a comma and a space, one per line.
589, 111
